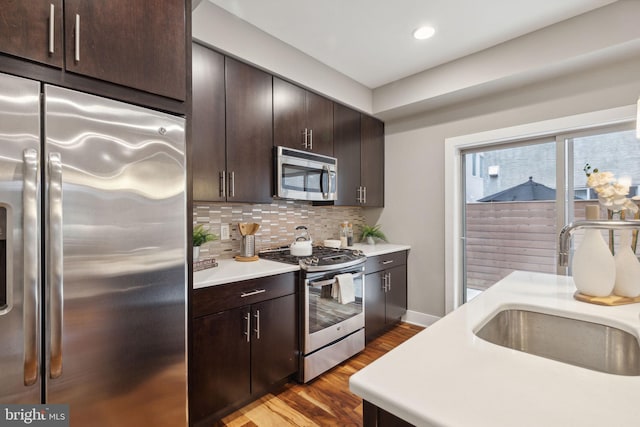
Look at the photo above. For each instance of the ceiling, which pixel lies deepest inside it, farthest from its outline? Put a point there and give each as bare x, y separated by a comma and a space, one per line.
371, 40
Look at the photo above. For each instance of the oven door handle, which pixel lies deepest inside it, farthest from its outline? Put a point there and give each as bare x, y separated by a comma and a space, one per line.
321, 283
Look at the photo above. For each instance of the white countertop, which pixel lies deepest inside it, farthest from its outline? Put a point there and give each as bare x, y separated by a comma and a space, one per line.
230, 270
446, 376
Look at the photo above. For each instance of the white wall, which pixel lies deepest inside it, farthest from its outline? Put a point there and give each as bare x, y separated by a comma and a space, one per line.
218, 28
414, 187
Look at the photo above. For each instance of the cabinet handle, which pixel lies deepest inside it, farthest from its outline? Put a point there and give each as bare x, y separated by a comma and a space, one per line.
257, 330
364, 197
223, 183
77, 40
388, 282
247, 332
52, 16
304, 138
232, 184
310, 139
256, 292
359, 195
384, 282
387, 261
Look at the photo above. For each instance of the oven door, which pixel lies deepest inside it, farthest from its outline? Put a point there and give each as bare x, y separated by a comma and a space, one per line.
326, 319
305, 176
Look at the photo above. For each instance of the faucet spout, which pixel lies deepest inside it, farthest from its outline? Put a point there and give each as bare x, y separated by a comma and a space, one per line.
600, 224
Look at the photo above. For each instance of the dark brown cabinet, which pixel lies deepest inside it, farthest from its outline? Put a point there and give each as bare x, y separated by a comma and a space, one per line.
359, 147
232, 130
208, 148
385, 292
372, 161
249, 114
32, 30
245, 340
302, 120
138, 44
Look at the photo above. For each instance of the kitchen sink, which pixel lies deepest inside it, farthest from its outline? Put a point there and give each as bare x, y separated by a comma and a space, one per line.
576, 342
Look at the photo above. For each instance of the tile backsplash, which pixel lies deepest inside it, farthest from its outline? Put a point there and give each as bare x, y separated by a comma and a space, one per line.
277, 223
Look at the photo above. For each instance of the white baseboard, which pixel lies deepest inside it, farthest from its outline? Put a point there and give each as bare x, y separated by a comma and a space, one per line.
420, 319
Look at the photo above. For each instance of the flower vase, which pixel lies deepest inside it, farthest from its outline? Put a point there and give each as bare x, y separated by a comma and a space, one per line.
196, 253
627, 283
593, 266
371, 240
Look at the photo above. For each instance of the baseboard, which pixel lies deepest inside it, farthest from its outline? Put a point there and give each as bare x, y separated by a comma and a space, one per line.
420, 319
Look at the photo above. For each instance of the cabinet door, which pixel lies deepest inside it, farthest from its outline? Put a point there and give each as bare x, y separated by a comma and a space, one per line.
208, 121
220, 371
288, 114
372, 161
374, 305
320, 121
249, 97
274, 343
139, 44
346, 148
396, 296
25, 30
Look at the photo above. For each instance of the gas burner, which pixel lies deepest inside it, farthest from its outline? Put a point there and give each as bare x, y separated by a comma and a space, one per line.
322, 258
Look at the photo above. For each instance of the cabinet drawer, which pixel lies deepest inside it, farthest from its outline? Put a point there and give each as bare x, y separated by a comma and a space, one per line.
382, 262
226, 297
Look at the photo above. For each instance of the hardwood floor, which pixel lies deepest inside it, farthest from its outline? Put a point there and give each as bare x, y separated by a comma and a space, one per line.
325, 401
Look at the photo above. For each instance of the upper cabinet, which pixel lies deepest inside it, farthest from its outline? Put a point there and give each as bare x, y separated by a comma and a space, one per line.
371, 161
208, 148
302, 119
359, 147
232, 139
138, 44
32, 30
249, 115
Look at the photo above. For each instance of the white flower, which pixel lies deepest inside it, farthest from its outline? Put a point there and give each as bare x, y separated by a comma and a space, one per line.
611, 193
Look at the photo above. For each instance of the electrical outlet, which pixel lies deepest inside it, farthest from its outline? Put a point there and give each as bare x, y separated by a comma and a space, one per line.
224, 232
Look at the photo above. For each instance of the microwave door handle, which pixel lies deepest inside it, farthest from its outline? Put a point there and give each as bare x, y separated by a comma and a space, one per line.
325, 170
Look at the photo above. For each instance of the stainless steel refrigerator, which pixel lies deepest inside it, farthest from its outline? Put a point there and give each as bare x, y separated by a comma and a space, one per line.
92, 244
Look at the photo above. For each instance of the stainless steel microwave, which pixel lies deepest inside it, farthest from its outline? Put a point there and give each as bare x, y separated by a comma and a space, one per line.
301, 175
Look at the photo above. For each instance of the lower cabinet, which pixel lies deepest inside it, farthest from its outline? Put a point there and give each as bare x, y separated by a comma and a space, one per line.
239, 353
385, 292
373, 416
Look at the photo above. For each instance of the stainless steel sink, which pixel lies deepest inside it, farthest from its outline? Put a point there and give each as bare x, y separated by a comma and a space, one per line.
589, 345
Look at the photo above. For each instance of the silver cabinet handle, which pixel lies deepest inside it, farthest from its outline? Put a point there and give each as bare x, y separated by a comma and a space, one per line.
256, 292
364, 197
52, 16
359, 195
77, 40
387, 261
305, 135
247, 332
54, 263
30, 267
310, 139
232, 184
223, 184
389, 282
257, 330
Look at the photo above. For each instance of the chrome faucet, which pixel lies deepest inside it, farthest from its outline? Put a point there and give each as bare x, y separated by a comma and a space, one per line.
601, 224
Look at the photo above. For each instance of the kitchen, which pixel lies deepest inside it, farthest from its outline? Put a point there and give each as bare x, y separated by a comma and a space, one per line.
583, 75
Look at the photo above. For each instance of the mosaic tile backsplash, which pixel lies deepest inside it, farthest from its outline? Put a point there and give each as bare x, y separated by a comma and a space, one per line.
277, 223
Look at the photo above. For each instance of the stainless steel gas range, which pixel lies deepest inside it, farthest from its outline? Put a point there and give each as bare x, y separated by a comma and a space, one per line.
333, 330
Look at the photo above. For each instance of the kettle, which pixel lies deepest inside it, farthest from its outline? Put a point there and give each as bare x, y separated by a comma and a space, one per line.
301, 246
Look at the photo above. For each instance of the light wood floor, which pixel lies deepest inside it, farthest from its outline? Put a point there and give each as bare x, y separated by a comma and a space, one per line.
325, 401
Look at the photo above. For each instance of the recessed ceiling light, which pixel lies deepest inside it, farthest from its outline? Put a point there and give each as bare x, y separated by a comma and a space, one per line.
423, 33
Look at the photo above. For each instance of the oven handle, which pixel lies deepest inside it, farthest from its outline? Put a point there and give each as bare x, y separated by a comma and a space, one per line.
321, 283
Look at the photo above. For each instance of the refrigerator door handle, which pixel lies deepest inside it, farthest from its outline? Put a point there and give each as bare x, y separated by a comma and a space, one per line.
30, 279
55, 278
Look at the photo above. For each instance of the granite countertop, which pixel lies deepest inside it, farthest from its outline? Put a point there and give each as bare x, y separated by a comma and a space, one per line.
447, 376
230, 270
